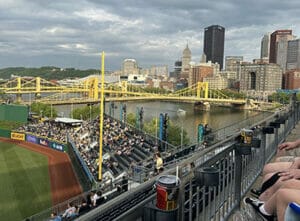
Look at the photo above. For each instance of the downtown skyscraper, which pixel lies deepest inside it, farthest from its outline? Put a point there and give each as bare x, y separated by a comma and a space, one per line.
278, 47
214, 36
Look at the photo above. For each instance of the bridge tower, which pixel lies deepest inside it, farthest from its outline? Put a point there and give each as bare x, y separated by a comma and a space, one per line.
200, 87
19, 87
38, 87
124, 87
95, 88
92, 84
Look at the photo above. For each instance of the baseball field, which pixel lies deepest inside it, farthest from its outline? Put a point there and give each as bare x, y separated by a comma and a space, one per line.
24, 182
33, 178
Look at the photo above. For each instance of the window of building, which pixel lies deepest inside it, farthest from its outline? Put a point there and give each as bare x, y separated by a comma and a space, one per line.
252, 80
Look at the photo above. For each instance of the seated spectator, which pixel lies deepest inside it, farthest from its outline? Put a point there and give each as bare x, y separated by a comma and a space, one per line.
275, 175
94, 198
289, 149
97, 198
84, 207
101, 199
278, 202
89, 200
124, 183
158, 163
70, 211
287, 152
55, 217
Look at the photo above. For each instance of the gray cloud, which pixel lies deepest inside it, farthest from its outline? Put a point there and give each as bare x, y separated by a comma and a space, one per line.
73, 33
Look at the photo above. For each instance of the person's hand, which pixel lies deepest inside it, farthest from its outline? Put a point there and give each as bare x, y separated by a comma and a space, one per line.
296, 163
287, 145
290, 174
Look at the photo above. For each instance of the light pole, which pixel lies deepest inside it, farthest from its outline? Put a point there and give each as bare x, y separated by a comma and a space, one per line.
51, 111
181, 114
72, 110
90, 112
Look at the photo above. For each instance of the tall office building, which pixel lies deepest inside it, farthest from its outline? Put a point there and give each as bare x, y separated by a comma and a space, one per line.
278, 46
186, 59
265, 47
130, 66
214, 44
293, 55
177, 69
233, 64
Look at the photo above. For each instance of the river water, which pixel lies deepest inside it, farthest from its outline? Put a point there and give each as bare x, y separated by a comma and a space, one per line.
216, 117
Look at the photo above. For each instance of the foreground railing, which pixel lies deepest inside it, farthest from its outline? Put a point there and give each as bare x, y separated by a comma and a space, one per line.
237, 173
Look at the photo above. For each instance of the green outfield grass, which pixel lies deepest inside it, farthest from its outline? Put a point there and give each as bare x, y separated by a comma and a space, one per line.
24, 182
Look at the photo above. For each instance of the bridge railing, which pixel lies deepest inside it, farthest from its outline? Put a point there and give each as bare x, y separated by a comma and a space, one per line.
223, 133
179, 153
237, 174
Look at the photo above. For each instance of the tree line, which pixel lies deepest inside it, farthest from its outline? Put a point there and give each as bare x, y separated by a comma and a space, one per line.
47, 72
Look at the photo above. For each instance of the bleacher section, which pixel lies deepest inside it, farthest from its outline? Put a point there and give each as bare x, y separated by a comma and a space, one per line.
125, 151
122, 146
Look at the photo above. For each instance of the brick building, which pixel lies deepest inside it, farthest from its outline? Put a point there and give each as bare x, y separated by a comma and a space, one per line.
292, 79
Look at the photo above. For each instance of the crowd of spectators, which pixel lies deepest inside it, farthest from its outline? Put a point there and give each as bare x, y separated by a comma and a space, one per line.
122, 147
88, 202
50, 129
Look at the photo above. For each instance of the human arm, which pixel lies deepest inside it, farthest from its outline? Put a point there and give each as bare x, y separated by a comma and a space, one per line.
290, 174
296, 163
289, 145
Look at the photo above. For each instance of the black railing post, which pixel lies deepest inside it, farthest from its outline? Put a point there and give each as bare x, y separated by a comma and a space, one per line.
238, 176
263, 148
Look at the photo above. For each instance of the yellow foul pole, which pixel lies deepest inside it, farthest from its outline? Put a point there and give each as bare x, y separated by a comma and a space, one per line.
101, 117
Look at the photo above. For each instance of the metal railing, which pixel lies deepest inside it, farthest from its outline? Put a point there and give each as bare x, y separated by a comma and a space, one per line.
237, 173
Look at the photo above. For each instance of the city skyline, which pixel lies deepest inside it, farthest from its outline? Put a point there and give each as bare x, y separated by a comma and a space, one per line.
64, 34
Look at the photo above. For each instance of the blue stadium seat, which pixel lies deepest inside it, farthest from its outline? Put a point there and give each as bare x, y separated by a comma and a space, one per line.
292, 212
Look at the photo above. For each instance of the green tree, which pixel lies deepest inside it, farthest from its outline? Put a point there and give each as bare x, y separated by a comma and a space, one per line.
174, 135
233, 93
173, 130
280, 97
44, 110
86, 112
131, 119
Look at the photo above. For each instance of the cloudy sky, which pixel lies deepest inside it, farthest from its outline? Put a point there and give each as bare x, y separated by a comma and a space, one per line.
72, 33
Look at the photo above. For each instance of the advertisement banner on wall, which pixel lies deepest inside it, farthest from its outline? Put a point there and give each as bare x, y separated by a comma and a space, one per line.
31, 138
44, 142
57, 146
17, 136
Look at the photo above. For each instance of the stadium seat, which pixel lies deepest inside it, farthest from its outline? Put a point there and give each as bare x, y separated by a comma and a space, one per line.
292, 212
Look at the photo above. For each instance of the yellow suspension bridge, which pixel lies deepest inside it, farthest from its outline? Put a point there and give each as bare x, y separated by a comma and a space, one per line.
87, 91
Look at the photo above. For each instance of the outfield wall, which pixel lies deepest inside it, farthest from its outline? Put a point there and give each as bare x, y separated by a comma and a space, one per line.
5, 133
31, 138
84, 175
12, 112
